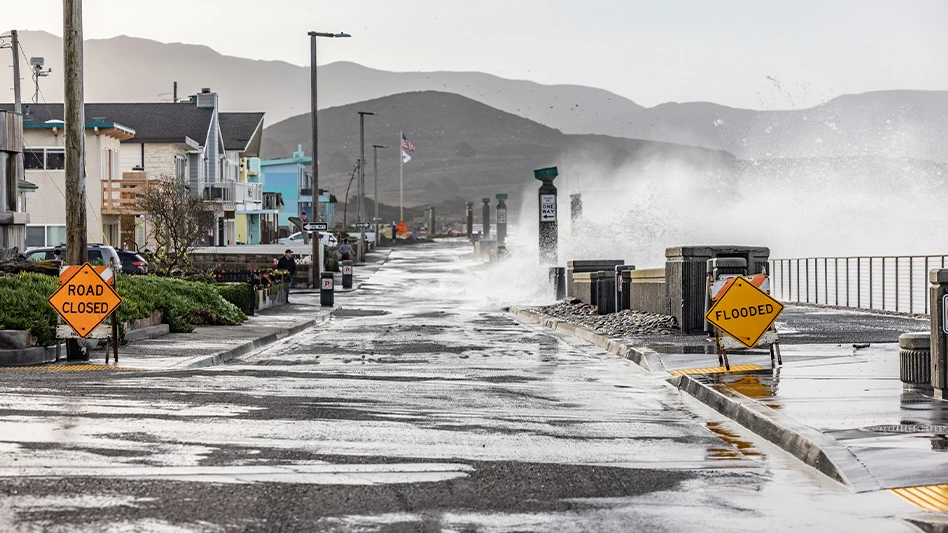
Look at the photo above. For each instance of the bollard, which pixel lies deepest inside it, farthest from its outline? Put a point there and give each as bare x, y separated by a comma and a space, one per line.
327, 289
485, 218
938, 293
605, 293
558, 281
470, 219
347, 274
501, 220
915, 360
548, 228
619, 305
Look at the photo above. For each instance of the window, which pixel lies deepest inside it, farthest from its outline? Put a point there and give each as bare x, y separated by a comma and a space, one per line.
55, 235
44, 158
55, 159
33, 159
35, 236
180, 168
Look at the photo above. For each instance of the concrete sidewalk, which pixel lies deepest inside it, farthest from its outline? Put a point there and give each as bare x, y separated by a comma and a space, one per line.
214, 345
836, 403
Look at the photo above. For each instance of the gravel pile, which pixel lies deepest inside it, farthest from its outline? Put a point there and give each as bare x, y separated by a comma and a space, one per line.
621, 323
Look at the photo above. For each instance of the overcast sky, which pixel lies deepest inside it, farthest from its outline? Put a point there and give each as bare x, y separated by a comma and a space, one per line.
744, 53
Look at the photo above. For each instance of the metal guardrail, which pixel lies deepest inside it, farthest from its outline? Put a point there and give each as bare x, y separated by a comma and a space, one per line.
886, 283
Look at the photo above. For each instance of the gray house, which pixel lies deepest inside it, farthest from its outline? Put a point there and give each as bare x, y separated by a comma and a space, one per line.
191, 141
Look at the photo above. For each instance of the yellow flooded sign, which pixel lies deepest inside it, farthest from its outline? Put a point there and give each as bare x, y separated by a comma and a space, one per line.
744, 312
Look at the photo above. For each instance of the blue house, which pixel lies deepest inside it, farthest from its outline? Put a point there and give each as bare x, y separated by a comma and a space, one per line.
290, 178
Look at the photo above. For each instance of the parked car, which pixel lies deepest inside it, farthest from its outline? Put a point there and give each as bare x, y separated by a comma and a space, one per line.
327, 239
132, 263
99, 254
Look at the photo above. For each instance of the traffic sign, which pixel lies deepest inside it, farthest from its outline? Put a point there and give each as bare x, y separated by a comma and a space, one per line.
85, 300
401, 228
347, 270
744, 312
376, 219
363, 225
316, 226
327, 284
944, 313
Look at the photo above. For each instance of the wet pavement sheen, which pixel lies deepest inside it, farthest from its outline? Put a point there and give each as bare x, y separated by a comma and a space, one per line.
418, 406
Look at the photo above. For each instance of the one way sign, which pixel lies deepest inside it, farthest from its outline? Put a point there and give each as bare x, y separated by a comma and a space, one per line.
316, 226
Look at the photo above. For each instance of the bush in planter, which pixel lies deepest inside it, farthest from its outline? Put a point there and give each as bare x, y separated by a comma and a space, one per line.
23, 305
239, 294
183, 303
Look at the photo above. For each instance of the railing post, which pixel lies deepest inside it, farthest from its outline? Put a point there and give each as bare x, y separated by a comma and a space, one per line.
896, 284
859, 282
870, 283
836, 278
798, 280
883, 283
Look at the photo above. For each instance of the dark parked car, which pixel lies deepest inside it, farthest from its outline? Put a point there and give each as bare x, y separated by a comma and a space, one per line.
132, 263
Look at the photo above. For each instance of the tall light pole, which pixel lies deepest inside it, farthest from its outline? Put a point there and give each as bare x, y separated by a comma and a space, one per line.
376, 219
362, 115
316, 267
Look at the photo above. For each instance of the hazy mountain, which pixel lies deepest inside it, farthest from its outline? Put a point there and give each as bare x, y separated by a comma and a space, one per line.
890, 123
465, 149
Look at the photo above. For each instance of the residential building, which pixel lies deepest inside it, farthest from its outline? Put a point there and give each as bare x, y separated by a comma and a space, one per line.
254, 223
185, 141
289, 178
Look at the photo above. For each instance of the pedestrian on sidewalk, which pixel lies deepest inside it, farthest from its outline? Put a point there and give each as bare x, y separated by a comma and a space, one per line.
289, 264
345, 251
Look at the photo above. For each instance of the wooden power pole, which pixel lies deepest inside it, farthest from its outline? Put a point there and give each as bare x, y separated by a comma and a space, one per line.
75, 118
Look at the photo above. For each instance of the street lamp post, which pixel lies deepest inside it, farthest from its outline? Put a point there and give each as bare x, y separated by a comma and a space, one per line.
376, 219
315, 185
362, 115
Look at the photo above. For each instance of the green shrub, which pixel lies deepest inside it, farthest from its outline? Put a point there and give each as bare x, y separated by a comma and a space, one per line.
23, 305
239, 294
183, 303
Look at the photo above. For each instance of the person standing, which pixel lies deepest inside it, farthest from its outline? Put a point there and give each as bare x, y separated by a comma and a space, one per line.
289, 264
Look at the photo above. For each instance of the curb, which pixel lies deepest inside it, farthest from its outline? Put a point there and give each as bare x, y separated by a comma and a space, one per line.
645, 358
809, 445
247, 347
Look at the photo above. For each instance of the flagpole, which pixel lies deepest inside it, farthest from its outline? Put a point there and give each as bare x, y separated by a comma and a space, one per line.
401, 178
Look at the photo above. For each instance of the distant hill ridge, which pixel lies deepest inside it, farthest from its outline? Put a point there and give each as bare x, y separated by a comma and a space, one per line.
894, 124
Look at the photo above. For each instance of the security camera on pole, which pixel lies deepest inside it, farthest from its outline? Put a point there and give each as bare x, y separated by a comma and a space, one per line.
548, 228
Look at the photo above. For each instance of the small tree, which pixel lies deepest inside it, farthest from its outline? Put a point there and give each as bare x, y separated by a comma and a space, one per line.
179, 221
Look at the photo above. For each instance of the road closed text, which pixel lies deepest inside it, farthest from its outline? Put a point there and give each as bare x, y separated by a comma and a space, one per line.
75, 304
744, 312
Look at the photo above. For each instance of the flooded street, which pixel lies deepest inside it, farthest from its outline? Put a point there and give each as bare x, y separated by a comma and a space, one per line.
418, 406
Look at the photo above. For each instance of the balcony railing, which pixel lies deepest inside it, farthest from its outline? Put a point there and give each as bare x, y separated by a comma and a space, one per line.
249, 196
885, 283
122, 197
224, 193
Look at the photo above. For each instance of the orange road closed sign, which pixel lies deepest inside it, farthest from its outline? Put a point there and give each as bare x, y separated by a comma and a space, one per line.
401, 228
85, 300
744, 312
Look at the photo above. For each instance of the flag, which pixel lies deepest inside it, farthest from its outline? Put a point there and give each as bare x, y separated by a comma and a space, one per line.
407, 145
405, 157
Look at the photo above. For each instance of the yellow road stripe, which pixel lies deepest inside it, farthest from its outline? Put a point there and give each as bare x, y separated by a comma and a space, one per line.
65, 368
930, 498
715, 370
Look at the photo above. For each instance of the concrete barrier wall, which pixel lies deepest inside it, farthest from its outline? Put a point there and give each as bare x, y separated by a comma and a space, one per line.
585, 287
579, 267
648, 291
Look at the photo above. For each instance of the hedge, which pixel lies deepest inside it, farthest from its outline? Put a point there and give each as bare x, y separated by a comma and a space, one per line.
184, 304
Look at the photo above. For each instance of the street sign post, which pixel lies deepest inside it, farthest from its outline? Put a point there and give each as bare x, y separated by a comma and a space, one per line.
744, 312
85, 300
363, 225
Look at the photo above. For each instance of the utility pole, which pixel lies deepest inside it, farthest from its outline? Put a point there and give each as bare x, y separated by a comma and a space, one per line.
15, 48
17, 101
362, 244
376, 219
76, 253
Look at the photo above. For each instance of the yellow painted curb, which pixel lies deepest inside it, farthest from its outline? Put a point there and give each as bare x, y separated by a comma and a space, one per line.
714, 370
930, 497
64, 368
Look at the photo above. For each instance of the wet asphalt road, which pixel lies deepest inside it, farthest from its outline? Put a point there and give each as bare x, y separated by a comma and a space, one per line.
417, 407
